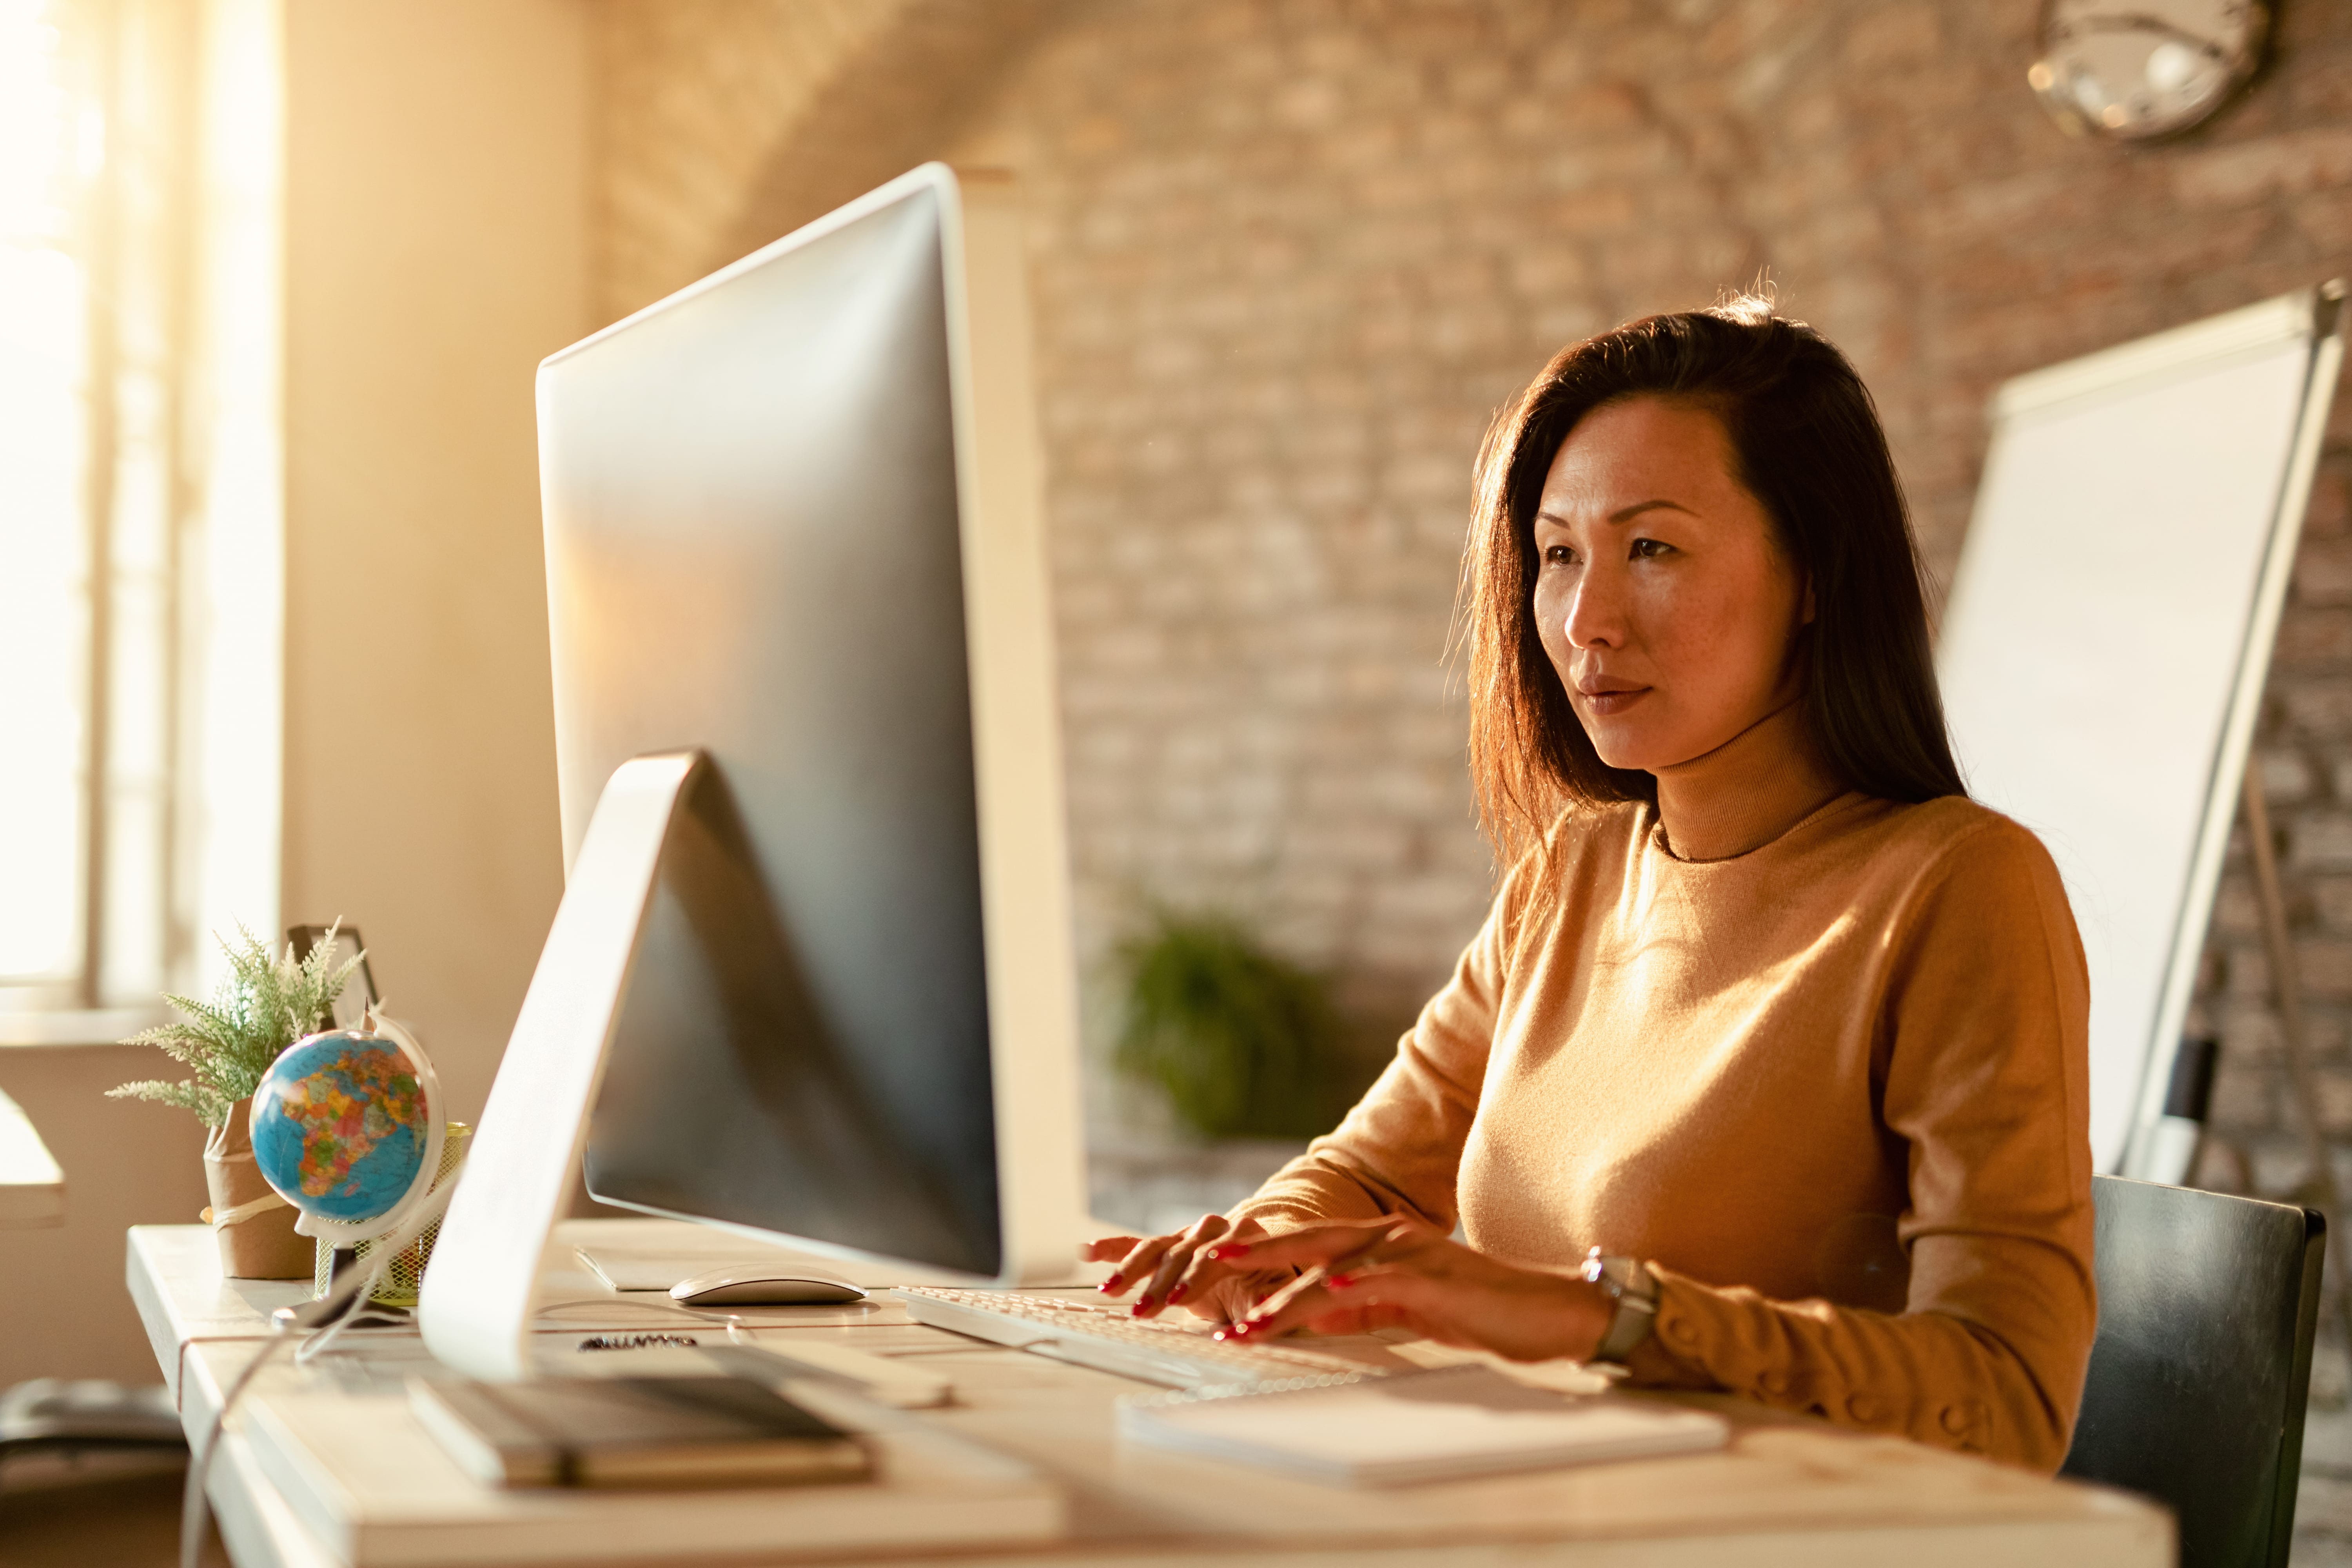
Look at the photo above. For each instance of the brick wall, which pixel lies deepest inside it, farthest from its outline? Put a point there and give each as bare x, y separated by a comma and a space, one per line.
1290, 254
724, 123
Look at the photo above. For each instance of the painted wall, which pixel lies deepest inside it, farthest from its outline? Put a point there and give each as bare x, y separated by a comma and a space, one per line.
66, 1312
437, 250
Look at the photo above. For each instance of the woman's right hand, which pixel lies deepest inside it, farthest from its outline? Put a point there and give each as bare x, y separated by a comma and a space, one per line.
1175, 1270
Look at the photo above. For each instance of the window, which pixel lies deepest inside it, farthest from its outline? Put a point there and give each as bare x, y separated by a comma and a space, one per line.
52, 156
138, 469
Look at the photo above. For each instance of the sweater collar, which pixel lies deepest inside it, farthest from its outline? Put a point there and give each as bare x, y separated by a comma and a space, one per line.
1654, 832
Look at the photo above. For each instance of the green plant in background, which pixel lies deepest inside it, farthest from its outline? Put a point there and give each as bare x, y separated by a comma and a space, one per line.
268, 1001
1242, 1042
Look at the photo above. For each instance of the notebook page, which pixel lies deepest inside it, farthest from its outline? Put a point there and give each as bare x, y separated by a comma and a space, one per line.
1465, 1421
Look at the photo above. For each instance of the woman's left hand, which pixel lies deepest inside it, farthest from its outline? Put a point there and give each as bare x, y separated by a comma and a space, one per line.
1363, 1275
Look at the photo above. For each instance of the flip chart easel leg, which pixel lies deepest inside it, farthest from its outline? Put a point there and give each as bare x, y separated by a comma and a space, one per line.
2286, 981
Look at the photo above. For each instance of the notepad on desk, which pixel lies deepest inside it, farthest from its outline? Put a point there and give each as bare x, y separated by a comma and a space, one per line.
1423, 1427
666, 1432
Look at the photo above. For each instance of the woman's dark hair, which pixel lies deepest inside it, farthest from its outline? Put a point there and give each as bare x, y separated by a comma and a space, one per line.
1806, 438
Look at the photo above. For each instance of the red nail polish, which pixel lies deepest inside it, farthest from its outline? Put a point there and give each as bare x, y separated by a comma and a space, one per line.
1176, 1295
1113, 1283
1143, 1304
1230, 1249
1339, 1281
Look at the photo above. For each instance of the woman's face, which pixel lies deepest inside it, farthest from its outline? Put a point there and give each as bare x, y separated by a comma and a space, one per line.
1662, 597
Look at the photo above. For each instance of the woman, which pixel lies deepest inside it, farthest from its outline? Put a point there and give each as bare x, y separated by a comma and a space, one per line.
1768, 1072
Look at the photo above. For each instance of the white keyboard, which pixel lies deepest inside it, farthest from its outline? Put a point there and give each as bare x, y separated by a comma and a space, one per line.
1176, 1351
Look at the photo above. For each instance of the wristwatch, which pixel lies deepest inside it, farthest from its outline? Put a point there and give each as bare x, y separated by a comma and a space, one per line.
1629, 1285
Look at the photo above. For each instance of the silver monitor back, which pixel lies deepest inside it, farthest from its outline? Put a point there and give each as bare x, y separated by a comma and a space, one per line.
765, 518
793, 526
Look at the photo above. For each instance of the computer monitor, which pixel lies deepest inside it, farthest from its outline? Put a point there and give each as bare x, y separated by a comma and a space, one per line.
815, 938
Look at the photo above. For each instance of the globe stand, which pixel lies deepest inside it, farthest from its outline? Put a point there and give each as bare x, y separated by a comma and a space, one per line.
345, 1259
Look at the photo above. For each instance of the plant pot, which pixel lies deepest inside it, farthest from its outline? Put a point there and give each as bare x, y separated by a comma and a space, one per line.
254, 1225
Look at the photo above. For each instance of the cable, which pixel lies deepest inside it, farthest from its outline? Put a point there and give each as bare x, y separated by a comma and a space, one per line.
318, 1343
193, 1504
323, 1318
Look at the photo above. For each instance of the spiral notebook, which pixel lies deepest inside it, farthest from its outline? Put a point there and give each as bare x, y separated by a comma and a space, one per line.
1421, 1427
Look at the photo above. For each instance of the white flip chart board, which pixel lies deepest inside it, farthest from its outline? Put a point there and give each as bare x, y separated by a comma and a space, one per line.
2107, 636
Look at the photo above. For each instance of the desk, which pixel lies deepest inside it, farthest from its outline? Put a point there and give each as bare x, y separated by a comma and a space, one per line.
32, 1188
1787, 1492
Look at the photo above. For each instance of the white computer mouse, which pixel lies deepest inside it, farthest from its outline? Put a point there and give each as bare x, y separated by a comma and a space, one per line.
753, 1285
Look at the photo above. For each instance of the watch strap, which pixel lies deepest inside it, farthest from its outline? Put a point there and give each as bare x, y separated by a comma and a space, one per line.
1633, 1296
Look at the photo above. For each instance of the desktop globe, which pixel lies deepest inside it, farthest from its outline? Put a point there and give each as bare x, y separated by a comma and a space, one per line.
341, 1123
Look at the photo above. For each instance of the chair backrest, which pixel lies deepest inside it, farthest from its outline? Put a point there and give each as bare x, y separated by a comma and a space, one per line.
2206, 1308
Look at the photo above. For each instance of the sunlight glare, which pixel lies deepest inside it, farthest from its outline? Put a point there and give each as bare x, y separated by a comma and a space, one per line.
44, 546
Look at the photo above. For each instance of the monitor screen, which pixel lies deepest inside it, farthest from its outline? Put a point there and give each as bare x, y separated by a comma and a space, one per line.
752, 542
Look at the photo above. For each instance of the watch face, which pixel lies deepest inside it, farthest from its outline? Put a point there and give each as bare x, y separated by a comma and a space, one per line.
2136, 68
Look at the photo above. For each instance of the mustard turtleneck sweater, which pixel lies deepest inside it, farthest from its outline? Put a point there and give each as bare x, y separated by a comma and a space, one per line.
1834, 1090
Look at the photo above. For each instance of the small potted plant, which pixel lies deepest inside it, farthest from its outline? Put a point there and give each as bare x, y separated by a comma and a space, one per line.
1242, 1042
268, 1001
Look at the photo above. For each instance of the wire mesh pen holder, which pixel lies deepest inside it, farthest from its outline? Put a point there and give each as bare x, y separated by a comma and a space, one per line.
398, 1286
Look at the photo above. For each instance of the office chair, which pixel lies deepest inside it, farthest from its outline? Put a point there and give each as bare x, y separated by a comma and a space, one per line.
52, 1415
2206, 1308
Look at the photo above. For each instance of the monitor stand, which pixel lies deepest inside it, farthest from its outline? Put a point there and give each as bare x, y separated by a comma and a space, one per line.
480, 1295
478, 1299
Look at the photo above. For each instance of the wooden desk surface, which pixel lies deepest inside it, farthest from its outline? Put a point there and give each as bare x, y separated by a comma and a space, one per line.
1785, 1491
